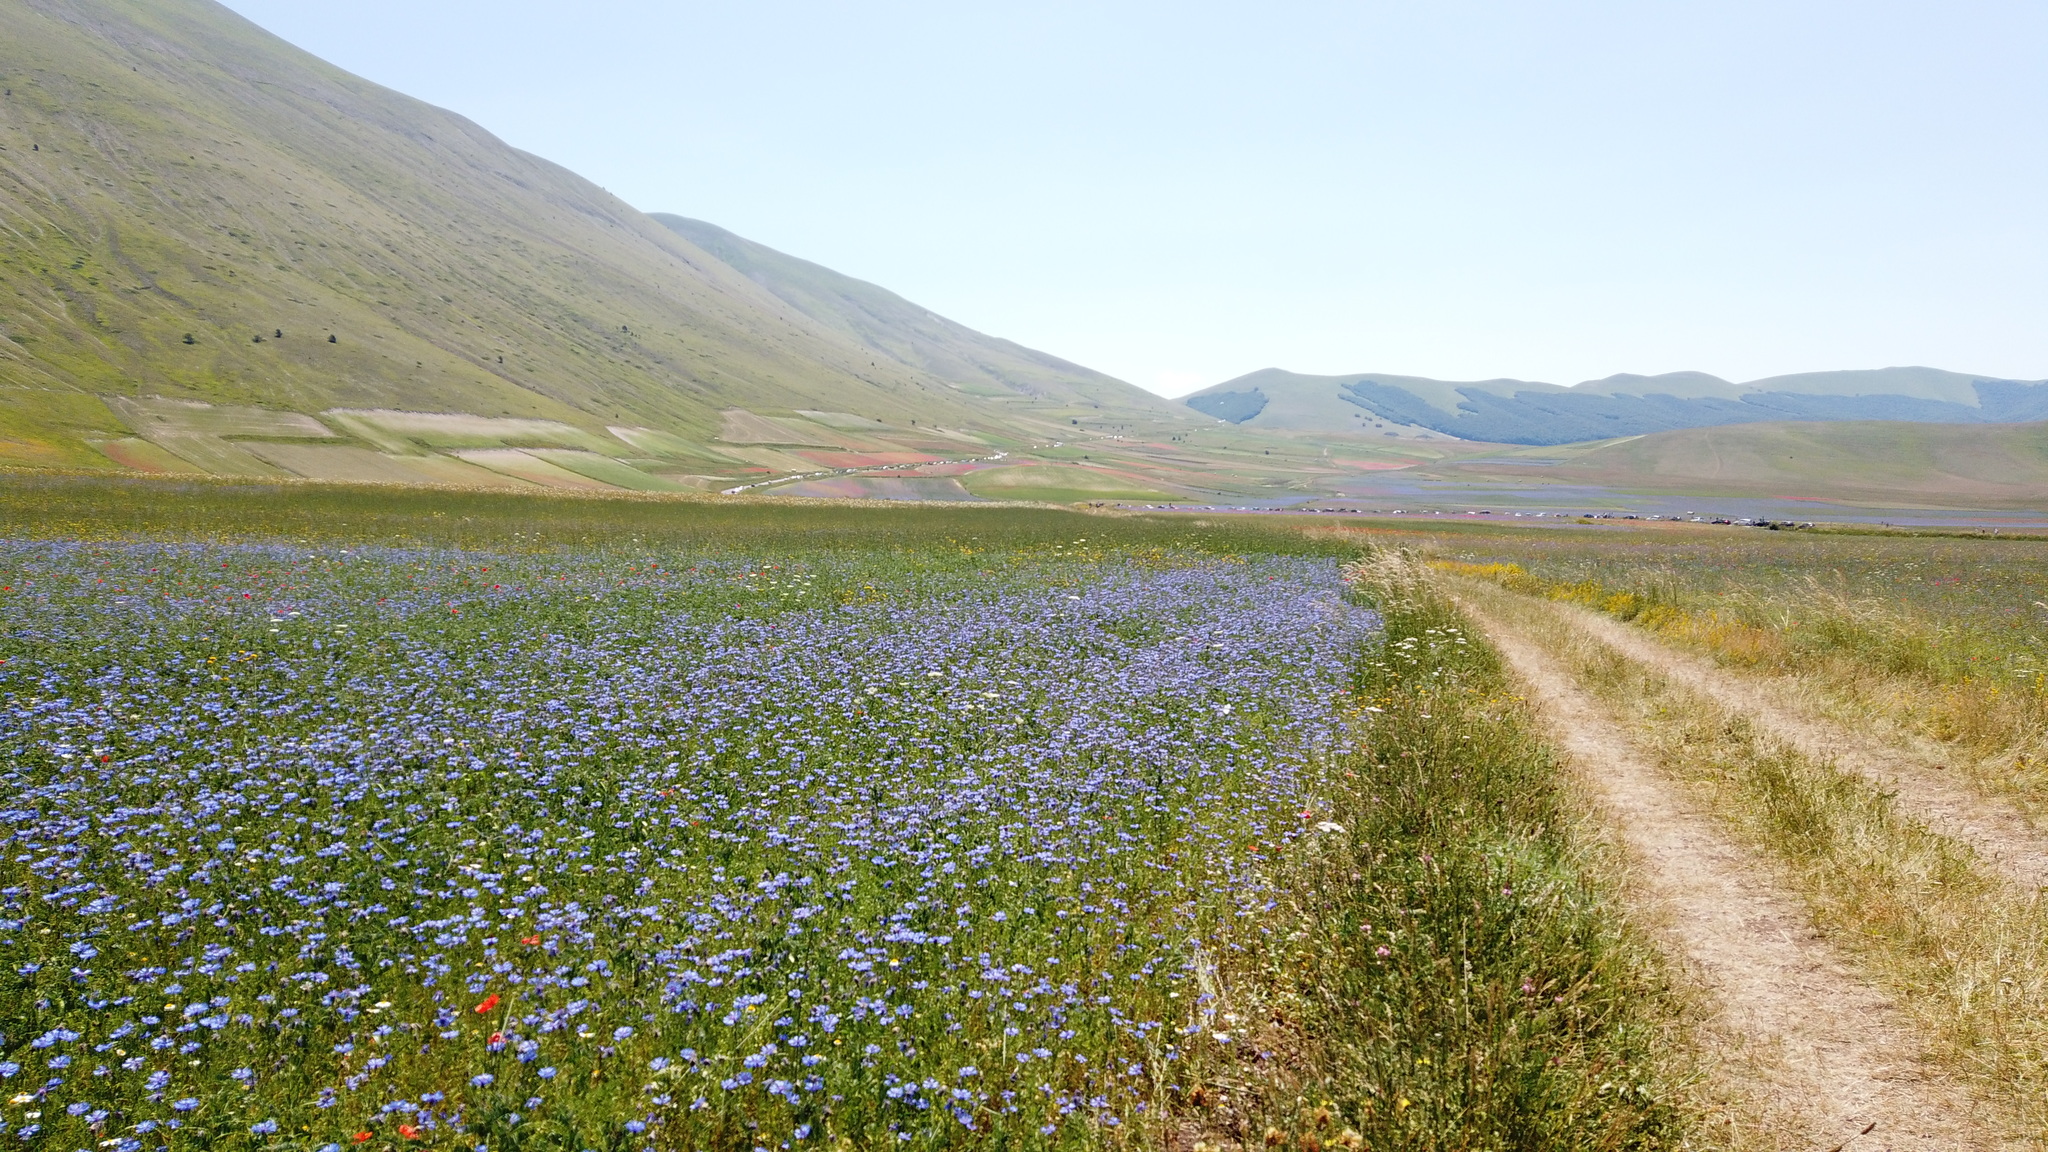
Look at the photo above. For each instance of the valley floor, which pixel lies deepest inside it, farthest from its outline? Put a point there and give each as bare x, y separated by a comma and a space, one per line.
527, 820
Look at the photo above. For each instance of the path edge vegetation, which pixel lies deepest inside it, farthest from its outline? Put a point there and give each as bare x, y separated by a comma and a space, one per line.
1867, 659
1963, 953
1456, 967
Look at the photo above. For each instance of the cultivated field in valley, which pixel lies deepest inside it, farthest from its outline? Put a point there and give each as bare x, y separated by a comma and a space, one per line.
358, 818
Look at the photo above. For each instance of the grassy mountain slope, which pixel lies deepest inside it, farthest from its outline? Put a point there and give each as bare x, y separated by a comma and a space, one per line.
221, 255
1921, 383
880, 320
1902, 464
168, 169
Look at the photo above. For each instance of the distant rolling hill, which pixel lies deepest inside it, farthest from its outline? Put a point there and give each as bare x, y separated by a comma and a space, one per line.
1525, 412
1873, 462
220, 253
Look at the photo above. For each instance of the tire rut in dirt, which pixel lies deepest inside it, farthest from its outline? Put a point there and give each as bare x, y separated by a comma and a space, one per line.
2004, 839
1821, 1054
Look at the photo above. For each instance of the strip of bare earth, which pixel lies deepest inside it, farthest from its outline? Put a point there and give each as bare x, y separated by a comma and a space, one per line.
1823, 1054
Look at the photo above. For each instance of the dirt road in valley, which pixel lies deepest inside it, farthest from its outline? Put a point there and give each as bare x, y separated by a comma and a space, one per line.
1825, 1057
2007, 841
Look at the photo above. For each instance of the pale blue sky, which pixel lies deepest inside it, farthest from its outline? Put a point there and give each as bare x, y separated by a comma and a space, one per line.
1177, 193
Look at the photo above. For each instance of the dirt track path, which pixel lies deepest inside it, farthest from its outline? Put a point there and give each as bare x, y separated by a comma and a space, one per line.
2007, 841
1824, 1055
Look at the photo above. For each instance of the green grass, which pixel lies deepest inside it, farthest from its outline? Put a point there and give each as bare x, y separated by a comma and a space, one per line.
1460, 967
1058, 484
36, 506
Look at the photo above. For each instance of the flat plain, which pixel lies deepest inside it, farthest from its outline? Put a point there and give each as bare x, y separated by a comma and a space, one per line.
379, 817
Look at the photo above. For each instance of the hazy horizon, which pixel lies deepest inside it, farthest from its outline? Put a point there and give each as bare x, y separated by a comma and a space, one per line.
1179, 195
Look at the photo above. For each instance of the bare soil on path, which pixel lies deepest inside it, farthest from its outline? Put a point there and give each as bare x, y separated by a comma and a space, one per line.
2007, 842
1824, 1057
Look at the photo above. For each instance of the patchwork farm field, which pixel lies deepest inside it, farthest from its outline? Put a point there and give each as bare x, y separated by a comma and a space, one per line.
341, 819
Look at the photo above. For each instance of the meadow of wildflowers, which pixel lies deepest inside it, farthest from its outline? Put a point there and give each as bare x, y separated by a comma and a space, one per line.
314, 846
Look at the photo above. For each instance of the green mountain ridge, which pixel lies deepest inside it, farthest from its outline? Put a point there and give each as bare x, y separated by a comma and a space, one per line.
192, 209
1873, 462
1532, 412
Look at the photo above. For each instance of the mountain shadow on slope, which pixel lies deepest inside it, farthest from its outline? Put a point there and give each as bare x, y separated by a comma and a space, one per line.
1235, 407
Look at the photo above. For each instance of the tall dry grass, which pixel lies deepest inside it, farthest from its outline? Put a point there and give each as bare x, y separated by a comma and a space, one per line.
1864, 658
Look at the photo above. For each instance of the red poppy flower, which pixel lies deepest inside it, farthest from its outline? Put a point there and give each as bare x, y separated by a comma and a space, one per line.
497, 1040
529, 941
408, 1131
489, 1003
362, 1137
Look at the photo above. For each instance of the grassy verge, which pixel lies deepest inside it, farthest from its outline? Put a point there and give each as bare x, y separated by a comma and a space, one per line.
1968, 688
1454, 970
1965, 954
